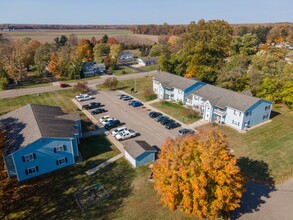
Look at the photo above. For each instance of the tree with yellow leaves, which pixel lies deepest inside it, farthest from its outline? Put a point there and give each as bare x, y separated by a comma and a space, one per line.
54, 65
85, 51
198, 174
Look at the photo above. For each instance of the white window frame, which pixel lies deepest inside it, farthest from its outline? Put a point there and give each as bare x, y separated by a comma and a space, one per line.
59, 148
29, 157
32, 170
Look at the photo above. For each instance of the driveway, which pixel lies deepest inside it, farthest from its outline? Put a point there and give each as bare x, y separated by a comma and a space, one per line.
134, 118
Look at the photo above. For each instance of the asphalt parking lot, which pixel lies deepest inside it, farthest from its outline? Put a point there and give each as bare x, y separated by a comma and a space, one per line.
134, 118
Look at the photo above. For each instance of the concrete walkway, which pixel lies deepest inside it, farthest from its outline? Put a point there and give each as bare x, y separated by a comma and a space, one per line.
102, 165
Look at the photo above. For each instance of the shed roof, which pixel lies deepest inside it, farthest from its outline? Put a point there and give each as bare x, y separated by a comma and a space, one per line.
31, 122
169, 80
137, 148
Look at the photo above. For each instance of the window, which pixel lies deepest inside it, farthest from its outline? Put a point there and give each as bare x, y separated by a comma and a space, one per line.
235, 112
32, 170
60, 148
239, 113
61, 161
28, 157
265, 116
267, 107
179, 91
248, 113
235, 122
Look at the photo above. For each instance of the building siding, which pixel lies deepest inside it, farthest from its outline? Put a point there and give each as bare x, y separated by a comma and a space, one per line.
145, 158
129, 158
234, 118
45, 156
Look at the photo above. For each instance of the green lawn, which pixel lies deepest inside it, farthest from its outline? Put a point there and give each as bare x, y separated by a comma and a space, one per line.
267, 150
32, 85
123, 71
141, 84
61, 98
150, 68
78, 80
51, 196
177, 111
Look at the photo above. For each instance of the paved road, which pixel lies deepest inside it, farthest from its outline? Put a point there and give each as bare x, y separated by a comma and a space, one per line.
262, 202
91, 83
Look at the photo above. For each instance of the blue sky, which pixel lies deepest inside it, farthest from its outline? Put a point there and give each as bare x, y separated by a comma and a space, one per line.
143, 12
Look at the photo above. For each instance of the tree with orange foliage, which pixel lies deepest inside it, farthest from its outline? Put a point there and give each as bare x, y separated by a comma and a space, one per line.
85, 51
198, 174
54, 65
112, 41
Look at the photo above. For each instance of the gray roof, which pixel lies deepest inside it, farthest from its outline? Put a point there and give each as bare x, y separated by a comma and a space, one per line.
32, 122
137, 148
221, 97
169, 80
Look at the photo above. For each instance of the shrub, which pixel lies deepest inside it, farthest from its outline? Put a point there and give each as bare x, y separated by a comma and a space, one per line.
149, 94
180, 102
124, 72
81, 87
111, 83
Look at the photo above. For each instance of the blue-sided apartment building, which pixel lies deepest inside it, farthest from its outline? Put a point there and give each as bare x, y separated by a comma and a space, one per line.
39, 139
215, 104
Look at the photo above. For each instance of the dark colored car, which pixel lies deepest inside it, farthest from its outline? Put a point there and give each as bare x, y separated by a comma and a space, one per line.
136, 104
127, 98
166, 121
93, 105
155, 114
184, 131
98, 111
112, 124
130, 102
161, 117
172, 125
64, 85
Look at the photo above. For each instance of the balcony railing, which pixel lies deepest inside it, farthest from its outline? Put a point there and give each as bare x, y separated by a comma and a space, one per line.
220, 112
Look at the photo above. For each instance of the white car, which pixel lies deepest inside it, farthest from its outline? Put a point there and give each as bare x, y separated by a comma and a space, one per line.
118, 130
104, 118
108, 120
83, 97
125, 135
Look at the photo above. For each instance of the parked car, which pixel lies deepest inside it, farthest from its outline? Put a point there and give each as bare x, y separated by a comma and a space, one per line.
98, 111
131, 101
93, 105
166, 121
161, 117
154, 114
118, 130
125, 135
127, 98
120, 96
112, 124
108, 120
104, 118
83, 97
64, 85
136, 104
172, 125
184, 131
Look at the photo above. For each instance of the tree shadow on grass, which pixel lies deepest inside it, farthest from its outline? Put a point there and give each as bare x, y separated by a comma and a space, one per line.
52, 196
260, 184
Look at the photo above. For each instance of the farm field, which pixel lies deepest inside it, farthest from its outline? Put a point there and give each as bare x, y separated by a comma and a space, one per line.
48, 35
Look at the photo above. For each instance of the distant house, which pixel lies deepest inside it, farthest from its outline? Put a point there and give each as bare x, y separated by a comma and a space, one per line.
92, 69
147, 61
224, 106
139, 153
126, 56
39, 139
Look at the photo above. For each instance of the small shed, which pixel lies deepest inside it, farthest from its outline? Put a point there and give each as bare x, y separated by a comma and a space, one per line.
139, 153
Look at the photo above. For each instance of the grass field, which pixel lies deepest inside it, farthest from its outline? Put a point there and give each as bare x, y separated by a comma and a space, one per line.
49, 35
268, 147
124, 69
150, 68
141, 85
176, 111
